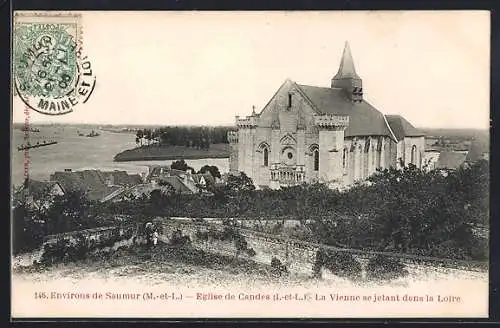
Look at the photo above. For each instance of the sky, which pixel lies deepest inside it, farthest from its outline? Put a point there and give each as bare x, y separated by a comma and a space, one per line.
204, 68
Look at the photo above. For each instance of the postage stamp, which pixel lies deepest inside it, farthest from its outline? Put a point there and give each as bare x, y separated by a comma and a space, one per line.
50, 74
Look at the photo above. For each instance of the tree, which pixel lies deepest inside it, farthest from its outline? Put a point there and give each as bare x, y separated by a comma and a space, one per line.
181, 165
239, 183
71, 211
28, 229
139, 136
148, 135
212, 169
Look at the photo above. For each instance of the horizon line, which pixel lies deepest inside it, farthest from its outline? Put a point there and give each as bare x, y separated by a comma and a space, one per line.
212, 125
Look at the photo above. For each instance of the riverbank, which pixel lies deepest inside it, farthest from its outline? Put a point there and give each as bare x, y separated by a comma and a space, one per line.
155, 152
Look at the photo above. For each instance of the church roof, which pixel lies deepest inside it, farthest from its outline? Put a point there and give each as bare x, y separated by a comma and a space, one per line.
346, 68
364, 119
401, 127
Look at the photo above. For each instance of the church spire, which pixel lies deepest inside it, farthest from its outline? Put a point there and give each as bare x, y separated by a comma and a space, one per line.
346, 69
347, 78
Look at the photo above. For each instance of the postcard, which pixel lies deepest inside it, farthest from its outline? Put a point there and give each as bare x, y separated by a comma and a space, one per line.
285, 164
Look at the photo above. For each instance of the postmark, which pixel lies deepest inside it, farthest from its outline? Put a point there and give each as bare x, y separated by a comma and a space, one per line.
51, 74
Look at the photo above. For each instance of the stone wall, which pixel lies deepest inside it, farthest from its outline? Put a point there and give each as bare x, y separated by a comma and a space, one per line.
298, 255
99, 235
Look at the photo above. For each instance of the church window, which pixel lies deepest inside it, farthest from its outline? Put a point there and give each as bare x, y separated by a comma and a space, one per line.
266, 157
316, 160
374, 154
290, 155
289, 100
344, 158
414, 155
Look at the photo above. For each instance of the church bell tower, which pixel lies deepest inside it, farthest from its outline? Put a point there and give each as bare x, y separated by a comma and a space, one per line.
346, 77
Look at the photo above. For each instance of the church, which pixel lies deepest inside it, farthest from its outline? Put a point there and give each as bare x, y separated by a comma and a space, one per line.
321, 134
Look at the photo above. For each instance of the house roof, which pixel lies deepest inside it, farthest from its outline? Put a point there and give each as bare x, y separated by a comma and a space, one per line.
402, 128
177, 183
135, 179
101, 193
167, 170
39, 189
91, 182
364, 119
92, 179
122, 177
69, 181
450, 160
209, 179
477, 149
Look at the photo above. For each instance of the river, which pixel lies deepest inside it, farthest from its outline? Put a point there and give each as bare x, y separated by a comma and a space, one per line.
77, 153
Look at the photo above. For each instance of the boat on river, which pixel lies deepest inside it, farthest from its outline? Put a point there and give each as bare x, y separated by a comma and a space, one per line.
27, 129
93, 134
37, 145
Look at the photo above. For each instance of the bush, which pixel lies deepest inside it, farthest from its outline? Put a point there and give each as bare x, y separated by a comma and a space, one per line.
383, 267
79, 249
56, 252
179, 240
241, 244
202, 235
277, 268
342, 264
67, 250
128, 233
251, 252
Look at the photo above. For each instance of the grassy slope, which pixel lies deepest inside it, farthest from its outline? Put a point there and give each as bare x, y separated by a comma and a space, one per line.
172, 153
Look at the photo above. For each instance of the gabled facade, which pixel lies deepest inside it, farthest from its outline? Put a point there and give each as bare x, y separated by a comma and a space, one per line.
39, 194
96, 184
325, 134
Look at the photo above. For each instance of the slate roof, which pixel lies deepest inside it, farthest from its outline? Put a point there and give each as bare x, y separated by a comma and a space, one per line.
209, 179
477, 149
346, 67
135, 179
177, 183
122, 178
364, 119
92, 179
69, 181
401, 127
102, 192
91, 182
38, 189
155, 171
450, 160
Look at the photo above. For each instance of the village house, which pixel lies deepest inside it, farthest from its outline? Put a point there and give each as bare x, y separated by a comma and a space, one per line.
478, 150
96, 184
38, 194
450, 160
168, 180
326, 134
182, 181
430, 159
